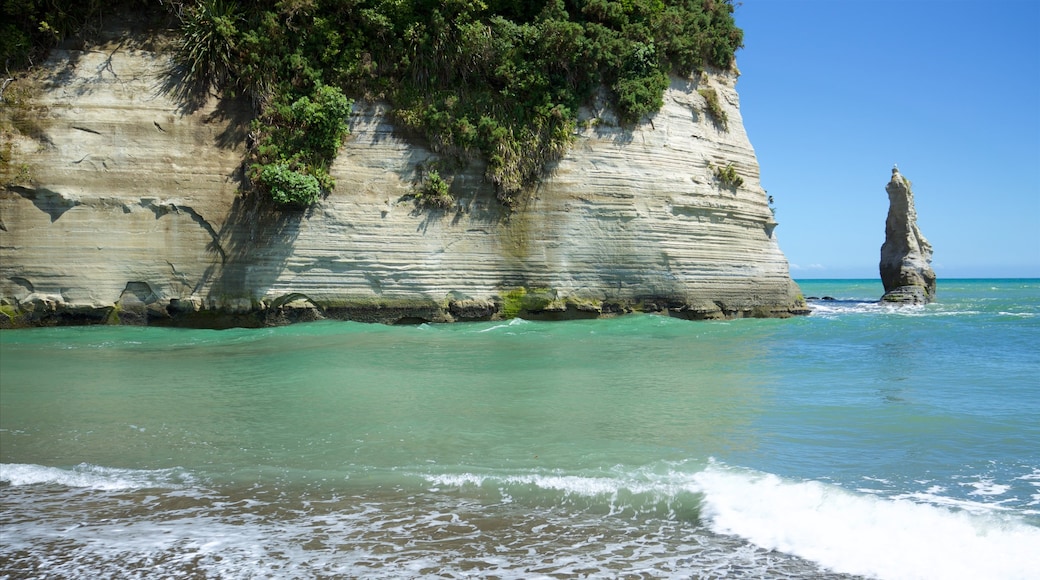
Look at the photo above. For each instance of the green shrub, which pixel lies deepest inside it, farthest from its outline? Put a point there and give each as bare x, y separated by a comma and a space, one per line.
728, 176
304, 135
432, 192
288, 188
207, 51
718, 114
316, 125
638, 97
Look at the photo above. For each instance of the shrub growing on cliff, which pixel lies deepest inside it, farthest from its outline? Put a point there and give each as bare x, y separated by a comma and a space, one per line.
718, 114
300, 138
207, 51
287, 187
310, 128
728, 176
433, 192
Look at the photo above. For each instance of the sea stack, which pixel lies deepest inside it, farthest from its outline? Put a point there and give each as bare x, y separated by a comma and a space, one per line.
906, 255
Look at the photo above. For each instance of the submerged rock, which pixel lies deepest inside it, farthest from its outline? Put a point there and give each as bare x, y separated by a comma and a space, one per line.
906, 255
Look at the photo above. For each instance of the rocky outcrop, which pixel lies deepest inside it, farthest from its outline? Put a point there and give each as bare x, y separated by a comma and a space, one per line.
906, 255
122, 204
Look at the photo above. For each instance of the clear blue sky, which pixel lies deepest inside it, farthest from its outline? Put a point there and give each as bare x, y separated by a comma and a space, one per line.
834, 92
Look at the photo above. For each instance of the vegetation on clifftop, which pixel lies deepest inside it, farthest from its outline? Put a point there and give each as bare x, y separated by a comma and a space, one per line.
501, 80
28, 28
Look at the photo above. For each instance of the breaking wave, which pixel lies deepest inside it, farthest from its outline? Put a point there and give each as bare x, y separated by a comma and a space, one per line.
93, 477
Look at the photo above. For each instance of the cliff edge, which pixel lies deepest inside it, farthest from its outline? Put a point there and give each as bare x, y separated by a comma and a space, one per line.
906, 255
121, 205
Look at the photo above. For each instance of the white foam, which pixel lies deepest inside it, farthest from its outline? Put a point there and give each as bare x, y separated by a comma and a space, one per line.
578, 485
937, 499
865, 534
513, 322
913, 535
837, 528
838, 308
456, 480
987, 487
91, 476
366, 541
830, 308
1033, 479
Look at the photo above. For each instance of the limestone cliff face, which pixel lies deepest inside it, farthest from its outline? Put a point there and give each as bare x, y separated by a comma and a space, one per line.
120, 204
906, 255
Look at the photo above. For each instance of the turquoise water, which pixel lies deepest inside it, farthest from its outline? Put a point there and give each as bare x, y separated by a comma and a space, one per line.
863, 439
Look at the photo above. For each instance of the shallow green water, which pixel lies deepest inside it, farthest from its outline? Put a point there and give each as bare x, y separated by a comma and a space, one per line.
587, 394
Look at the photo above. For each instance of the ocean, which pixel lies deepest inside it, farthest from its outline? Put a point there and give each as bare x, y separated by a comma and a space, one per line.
863, 440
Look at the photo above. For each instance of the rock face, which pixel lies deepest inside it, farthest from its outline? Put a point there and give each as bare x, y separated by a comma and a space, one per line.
906, 255
121, 204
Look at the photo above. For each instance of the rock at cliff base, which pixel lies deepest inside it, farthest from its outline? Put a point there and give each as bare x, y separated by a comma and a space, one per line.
906, 255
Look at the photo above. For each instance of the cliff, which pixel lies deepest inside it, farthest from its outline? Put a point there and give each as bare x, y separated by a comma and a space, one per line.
121, 204
906, 255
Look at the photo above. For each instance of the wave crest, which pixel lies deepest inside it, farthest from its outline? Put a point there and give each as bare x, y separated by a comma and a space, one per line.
94, 477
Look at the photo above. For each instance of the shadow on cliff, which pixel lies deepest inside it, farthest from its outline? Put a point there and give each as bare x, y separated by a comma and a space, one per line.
234, 114
175, 85
257, 239
77, 83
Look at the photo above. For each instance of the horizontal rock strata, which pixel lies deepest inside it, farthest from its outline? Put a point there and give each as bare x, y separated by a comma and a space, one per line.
121, 204
906, 256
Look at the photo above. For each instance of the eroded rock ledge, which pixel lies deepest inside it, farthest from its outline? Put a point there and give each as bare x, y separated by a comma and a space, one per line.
120, 205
